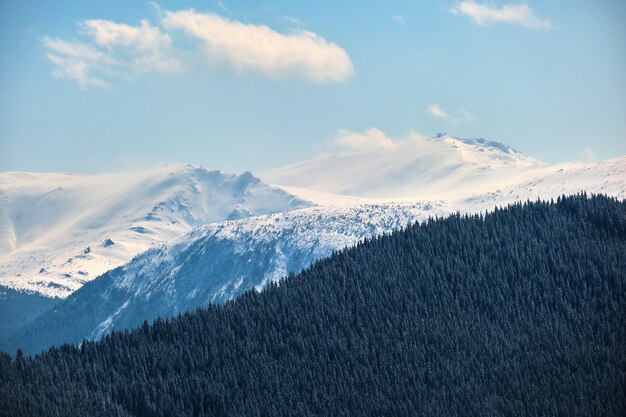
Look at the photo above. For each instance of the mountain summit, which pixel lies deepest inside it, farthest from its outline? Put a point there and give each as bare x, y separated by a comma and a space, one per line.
422, 168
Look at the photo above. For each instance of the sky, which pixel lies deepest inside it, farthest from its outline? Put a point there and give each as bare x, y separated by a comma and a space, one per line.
91, 86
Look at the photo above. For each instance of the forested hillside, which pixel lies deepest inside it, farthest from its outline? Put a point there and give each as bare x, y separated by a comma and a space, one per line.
516, 313
212, 264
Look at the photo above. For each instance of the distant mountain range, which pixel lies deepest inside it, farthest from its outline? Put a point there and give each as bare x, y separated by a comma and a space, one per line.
248, 233
58, 231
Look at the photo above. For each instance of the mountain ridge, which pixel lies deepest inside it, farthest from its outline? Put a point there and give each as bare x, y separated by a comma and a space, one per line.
419, 168
62, 230
215, 263
306, 225
212, 264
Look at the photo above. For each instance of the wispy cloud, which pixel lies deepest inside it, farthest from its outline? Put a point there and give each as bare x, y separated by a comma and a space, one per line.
293, 21
77, 61
257, 48
464, 117
519, 14
436, 111
399, 19
370, 139
222, 6
111, 50
144, 48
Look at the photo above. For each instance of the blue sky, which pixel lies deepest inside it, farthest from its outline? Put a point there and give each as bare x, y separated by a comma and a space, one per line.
92, 86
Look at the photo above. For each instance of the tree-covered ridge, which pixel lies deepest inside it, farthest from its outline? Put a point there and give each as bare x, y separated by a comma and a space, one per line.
519, 312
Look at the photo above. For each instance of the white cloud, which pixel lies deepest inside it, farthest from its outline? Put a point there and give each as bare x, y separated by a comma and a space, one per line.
399, 19
76, 61
293, 20
248, 47
519, 14
371, 139
222, 6
439, 113
113, 50
464, 117
145, 48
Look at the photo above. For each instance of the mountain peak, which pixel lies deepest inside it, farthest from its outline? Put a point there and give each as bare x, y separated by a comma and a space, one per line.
477, 142
135, 210
489, 153
420, 168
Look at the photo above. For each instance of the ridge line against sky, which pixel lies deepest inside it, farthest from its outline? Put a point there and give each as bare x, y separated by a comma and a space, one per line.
93, 88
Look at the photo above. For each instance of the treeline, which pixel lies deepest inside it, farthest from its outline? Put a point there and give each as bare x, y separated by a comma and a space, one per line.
519, 312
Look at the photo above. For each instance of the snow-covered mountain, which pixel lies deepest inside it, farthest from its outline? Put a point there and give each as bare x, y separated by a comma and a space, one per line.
58, 231
608, 177
219, 260
212, 264
439, 167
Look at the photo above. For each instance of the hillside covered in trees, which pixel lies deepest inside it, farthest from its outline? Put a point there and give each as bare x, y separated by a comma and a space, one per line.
519, 312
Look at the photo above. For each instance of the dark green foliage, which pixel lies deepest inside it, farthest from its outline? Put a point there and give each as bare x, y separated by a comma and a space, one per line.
18, 309
517, 313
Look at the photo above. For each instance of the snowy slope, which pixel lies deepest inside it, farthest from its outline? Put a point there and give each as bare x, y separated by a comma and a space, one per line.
217, 262
431, 168
214, 263
58, 231
608, 177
